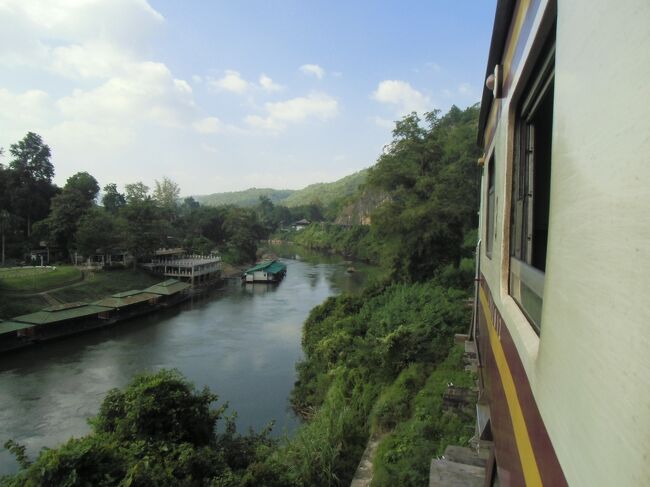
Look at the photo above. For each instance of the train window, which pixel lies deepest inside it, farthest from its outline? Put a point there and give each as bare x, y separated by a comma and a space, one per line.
531, 184
489, 224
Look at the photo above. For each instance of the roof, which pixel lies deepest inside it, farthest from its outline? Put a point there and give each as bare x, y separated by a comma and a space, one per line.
62, 312
271, 267
168, 287
120, 300
502, 18
302, 222
9, 326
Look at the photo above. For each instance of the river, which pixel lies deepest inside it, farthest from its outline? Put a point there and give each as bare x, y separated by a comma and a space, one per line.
240, 341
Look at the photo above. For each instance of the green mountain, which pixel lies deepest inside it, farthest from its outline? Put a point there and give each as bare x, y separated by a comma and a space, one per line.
326, 193
323, 193
247, 197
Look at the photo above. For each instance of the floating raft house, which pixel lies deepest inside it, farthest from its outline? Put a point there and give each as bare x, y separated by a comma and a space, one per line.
269, 271
63, 312
128, 298
168, 287
70, 318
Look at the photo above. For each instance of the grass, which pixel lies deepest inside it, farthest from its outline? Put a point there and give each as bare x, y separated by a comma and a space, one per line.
16, 306
37, 279
101, 284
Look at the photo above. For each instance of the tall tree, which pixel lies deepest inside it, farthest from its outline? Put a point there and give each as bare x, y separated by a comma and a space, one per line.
166, 193
4, 226
84, 184
112, 200
97, 232
136, 192
68, 207
33, 172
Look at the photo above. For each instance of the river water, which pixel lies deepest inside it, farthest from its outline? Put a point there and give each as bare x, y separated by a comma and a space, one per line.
240, 341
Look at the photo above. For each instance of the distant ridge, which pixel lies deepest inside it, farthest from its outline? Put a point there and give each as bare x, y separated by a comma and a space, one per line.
322, 193
247, 197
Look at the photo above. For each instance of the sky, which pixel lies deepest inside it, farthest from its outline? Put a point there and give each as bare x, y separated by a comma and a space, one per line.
227, 95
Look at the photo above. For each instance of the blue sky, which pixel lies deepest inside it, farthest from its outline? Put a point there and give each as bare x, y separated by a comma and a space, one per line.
222, 96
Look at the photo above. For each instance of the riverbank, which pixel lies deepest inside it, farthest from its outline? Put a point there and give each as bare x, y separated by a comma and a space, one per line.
96, 285
241, 341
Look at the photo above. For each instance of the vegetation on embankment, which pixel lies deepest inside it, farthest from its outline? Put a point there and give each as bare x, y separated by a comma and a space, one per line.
29, 280
96, 285
350, 241
378, 362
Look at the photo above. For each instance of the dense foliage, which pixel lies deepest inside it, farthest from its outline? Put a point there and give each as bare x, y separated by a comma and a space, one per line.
158, 431
70, 220
430, 179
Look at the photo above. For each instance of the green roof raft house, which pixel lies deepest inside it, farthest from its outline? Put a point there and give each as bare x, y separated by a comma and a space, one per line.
14, 335
65, 319
170, 292
129, 304
269, 271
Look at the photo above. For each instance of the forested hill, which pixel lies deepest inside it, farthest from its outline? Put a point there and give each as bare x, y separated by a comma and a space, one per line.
246, 198
322, 194
327, 193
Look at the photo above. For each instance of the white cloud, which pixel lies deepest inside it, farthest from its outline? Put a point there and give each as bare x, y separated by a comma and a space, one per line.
37, 33
208, 125
402, 96
267, 84
231, 81
316, 105
90, 60
147, 91
312, 70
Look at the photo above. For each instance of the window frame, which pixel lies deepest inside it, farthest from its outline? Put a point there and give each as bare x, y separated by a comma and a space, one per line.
490, 206
525, 279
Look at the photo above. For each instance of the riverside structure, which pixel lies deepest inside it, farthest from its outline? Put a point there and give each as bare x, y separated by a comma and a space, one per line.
72, 318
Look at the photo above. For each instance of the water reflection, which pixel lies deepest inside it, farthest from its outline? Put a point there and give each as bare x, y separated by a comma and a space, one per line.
241, 341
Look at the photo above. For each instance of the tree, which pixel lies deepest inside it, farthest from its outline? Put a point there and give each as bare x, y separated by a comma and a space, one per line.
166, 193
32, 171
32, 158
136, 192
143, 227
4, 225
84, 184
97, 232
160, 430
112, 200
242, 233
68, 207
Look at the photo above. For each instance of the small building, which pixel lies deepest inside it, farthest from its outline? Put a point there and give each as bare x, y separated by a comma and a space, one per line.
300, 225
269, 271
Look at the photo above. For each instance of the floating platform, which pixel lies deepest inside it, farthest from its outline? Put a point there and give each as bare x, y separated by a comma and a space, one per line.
73, 318
268, 272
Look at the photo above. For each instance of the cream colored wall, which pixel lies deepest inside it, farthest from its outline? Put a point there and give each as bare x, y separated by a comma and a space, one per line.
594, 363
590, 369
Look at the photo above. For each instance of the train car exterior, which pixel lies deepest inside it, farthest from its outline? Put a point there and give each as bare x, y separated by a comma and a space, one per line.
564, 287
